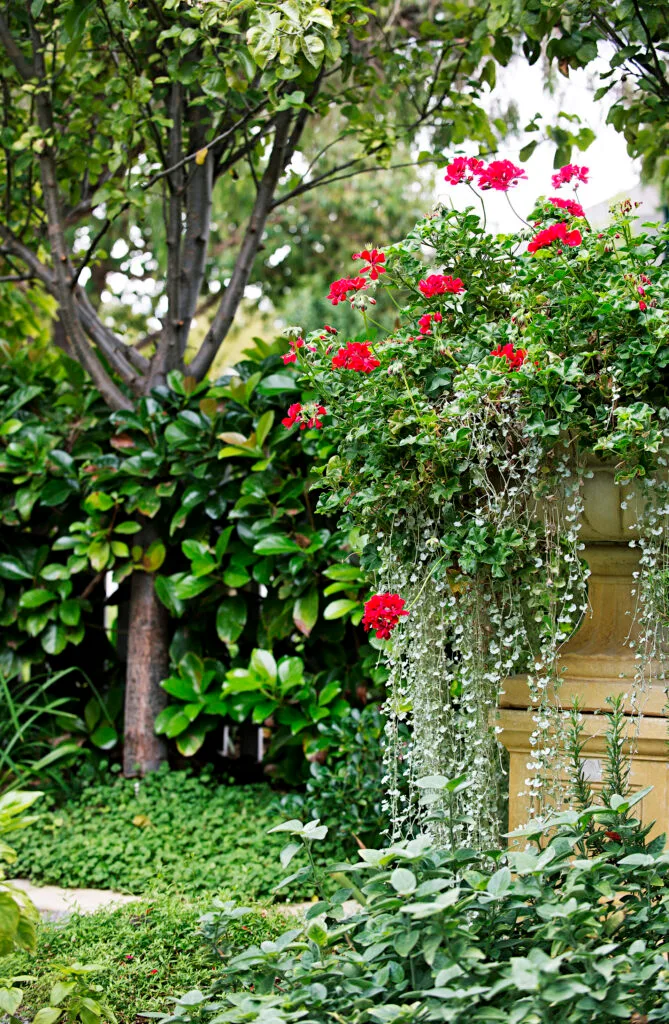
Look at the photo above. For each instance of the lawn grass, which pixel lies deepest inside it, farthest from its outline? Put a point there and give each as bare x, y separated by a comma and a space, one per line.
146, 952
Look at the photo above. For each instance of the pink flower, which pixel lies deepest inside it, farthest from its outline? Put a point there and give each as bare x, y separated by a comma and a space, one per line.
462, 169
356, 356
439, 284
374, 260
339, 289
382, 613
515, 357
306, 416
500, 175
642, 306
575, 209
556, 232
291, 357
568, 173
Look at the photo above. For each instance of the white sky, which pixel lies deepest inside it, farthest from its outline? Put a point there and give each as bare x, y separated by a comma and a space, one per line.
611, 169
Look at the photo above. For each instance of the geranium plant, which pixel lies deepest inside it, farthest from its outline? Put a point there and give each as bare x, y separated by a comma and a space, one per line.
457, 444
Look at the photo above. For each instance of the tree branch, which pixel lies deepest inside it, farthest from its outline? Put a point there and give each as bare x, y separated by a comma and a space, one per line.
23, 66
234, 292
62, 268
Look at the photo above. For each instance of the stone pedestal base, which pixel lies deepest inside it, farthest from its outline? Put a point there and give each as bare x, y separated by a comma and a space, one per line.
650, 765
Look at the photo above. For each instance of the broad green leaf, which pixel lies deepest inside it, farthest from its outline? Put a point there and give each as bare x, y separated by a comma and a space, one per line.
305, 611
276, 544
54, 639
231, 619
337, 609
35, 598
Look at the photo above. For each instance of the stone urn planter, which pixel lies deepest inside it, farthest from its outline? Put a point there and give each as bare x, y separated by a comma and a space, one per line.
597, 662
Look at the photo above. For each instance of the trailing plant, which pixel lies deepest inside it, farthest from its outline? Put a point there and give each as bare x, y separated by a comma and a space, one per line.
462, 440
573, 928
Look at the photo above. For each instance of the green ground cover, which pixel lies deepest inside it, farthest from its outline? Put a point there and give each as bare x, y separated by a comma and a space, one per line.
146, 952
171, 831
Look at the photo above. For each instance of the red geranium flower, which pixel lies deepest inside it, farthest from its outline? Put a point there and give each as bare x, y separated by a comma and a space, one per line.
515, 357
568, 173
291, 357
572, 207
463, 169
500, 175
439, 284
426, 319
306, 416
642, 306
339, 289
382, 613
356, 356
555, 233
374, 260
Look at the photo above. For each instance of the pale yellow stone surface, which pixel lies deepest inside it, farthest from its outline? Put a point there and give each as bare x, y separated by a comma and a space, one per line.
597, 662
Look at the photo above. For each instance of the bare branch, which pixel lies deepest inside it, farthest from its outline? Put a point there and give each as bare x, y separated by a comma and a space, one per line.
232, 296
62, 268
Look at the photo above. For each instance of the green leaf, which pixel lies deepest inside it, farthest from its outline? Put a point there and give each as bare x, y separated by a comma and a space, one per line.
47, 1015
128, 527
70, 612
403, 881
276, 544
190, 742
105, 737
263, 664
154, 556
35, 598
99, 554
60, 990
305, 611
264, 426
12, 569
277, 384
10, 1000
54, 639
231, 619
337, 609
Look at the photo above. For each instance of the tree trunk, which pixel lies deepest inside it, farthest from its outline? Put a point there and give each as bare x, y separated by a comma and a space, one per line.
148, 663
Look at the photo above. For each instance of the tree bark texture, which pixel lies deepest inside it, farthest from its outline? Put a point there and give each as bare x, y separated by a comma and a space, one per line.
148, 664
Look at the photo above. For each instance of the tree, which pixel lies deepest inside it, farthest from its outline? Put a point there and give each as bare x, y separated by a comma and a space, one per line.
632, 36
107, 104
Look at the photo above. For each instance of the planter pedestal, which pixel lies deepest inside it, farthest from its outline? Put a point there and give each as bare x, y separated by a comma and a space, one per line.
596, 663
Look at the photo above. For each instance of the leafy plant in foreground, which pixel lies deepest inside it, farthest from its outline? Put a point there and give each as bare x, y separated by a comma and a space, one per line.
573, 930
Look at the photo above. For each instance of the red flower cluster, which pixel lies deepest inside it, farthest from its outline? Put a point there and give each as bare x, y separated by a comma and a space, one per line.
339, 289
356, 356
616, 836
308, 416
439, 284
291, 357
500, 175
568, 173
575, 209
515, 357
555, 233
425, 321
374, 260
463, 169
382, 613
